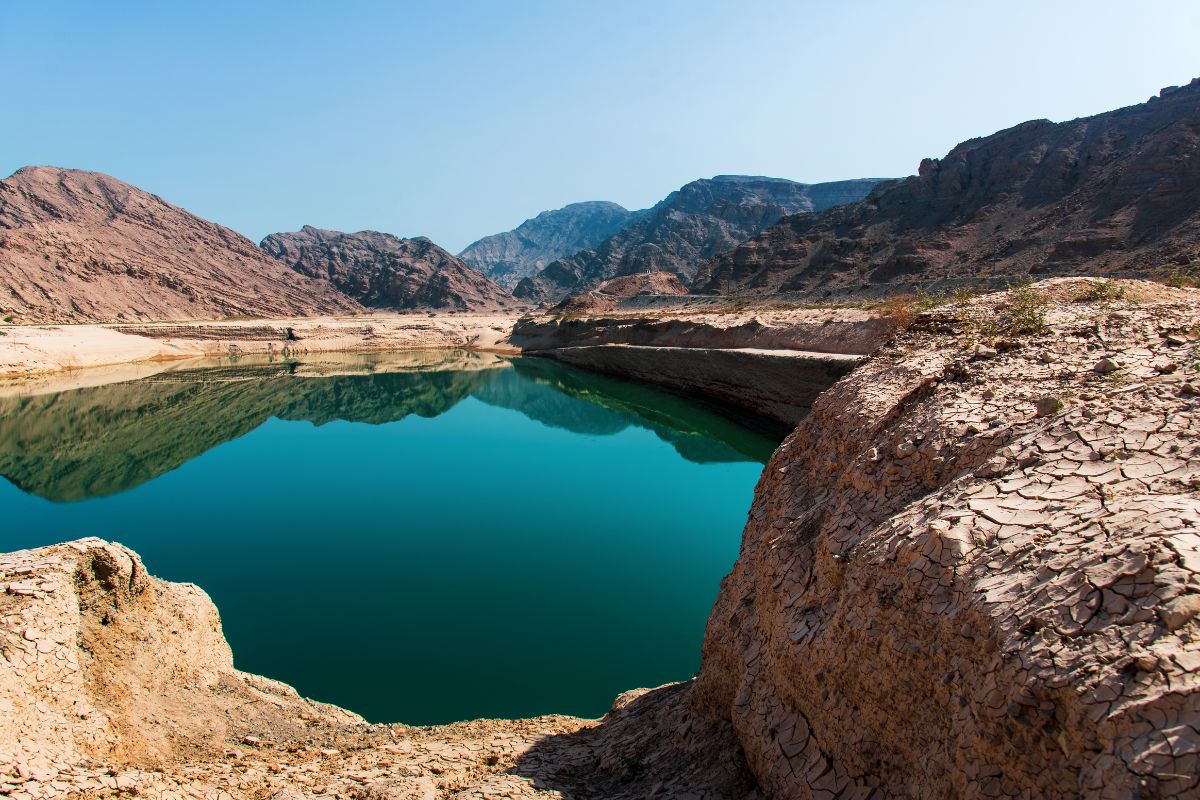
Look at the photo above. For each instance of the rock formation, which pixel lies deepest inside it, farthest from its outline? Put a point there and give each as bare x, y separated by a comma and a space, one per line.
83, 247
1117, 193
974, 569
509, 257
608, 295
691, 225
384, 271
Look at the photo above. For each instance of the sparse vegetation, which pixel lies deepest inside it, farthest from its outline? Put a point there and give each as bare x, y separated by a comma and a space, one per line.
900, 311
1184, 276
1103, 292
1026, 308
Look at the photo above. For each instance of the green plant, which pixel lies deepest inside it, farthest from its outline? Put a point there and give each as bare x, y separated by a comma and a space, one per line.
1103, 292
964, 294
980, 325
1026, 308
1184, 276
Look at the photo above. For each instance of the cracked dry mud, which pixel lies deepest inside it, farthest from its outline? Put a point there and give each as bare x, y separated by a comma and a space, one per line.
973, 571
950, 587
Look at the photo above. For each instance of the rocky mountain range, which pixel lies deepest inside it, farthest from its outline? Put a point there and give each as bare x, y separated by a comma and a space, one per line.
524, 251
379, 270
80, 246
1117, 192
691, 225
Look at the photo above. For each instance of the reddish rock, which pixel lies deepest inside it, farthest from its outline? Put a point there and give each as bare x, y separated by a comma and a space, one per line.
83, 247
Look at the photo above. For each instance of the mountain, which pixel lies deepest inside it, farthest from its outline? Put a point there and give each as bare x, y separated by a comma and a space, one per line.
84, 247
1118, 192
508, 257
691, 225
384, 271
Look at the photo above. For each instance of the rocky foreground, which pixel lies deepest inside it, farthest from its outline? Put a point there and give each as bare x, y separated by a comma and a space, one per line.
973, 570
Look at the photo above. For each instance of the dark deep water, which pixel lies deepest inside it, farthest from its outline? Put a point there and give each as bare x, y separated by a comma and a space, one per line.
439, 536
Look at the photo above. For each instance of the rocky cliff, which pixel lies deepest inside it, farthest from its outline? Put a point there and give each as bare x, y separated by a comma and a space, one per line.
80, 246
383, 271
608, 295
1111, 194
692, 224
974, 570
509, 257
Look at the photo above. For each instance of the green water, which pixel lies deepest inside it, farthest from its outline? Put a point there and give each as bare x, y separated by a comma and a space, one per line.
434, 537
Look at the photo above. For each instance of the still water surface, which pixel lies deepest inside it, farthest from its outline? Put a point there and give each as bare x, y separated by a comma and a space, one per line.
423, 537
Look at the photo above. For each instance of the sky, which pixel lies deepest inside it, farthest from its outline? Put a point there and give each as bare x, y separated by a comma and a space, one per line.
455, 119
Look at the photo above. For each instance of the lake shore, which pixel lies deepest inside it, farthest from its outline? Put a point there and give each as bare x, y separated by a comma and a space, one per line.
30, 350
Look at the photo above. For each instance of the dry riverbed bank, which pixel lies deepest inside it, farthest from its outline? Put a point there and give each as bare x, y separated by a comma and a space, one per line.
27, 350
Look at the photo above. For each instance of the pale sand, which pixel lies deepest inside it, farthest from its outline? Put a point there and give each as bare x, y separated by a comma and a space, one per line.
27, 350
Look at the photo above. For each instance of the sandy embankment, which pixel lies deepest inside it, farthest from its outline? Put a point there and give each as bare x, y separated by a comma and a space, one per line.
36, 349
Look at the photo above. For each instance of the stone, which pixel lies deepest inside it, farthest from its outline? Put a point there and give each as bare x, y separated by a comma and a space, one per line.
983, 351
1180, 611
1105, 366
1048, 406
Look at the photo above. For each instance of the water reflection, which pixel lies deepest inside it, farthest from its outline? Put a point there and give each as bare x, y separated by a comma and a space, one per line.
95, 441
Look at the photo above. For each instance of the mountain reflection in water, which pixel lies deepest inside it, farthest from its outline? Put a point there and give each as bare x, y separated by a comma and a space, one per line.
102, 440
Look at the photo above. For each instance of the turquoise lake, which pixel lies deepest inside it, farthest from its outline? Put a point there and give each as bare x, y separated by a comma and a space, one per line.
421, 537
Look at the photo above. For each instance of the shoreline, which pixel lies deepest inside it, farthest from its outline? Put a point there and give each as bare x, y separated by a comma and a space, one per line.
37, 350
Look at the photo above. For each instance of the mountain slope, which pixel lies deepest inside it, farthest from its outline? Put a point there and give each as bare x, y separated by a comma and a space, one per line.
1116, 192
384, 271
692, 224
508, 257
84, 247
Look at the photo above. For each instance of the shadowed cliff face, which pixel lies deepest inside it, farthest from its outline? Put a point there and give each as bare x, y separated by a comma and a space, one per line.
692, 224
508, 257
103, 440
384, 271
1116, 192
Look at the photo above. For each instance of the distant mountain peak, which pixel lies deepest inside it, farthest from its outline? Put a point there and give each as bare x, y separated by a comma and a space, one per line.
508, 257
693, 223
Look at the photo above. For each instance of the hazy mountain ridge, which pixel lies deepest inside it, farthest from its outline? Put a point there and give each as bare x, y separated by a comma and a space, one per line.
380, 270
1117, 192
689, 226
508, 257
80, 246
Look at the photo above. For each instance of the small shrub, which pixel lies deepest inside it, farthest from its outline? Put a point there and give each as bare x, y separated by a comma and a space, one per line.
900, 311
1026, 308
980, 326
1103, 292
964, 294
1184, 277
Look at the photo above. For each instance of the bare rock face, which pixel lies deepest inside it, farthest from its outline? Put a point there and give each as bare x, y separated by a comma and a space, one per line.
1116, 193
691, 225
384, 271
83, 247
509, 257
607, 296
950, 588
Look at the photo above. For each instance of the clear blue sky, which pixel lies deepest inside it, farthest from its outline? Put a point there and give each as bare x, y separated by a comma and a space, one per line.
459, 119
